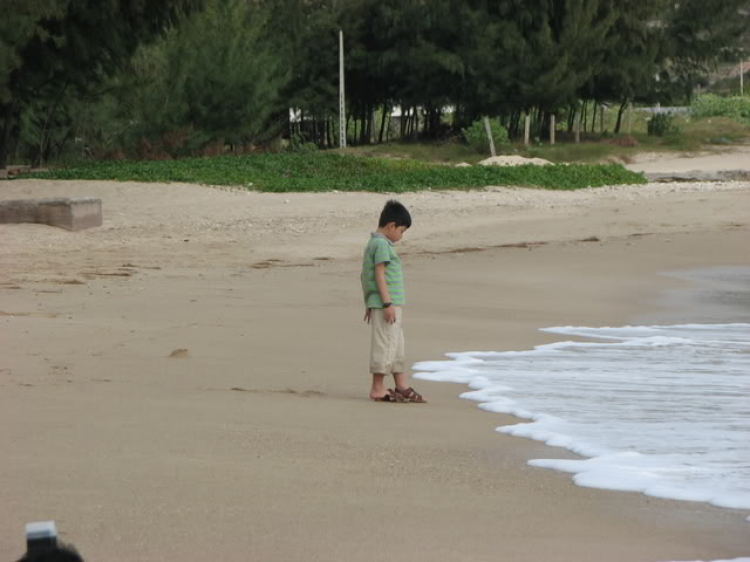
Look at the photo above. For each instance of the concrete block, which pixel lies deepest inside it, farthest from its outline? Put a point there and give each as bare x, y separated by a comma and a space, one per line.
72, 214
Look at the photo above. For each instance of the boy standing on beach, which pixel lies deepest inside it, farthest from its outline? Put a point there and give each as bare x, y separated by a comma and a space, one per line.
383, 290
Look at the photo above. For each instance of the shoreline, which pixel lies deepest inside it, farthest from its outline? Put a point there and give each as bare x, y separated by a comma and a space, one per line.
713, 296
258, 440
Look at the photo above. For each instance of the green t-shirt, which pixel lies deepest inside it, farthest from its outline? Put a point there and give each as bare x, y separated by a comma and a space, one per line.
380, 250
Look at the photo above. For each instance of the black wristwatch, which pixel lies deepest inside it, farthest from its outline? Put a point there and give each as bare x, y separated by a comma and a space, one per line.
387, 304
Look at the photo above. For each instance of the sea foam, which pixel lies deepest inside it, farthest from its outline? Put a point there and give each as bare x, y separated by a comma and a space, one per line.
661, 410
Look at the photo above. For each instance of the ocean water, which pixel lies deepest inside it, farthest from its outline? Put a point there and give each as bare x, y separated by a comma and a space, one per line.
661, 410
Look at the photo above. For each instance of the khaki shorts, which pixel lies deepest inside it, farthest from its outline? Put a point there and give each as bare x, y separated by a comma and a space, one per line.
387, 344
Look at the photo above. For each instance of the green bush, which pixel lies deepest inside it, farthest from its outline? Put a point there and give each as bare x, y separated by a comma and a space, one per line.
710, 105
476, 135
297, 143
325, 171
662, 124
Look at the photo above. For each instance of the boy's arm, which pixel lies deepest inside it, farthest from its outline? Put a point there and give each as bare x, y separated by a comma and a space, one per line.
389, 314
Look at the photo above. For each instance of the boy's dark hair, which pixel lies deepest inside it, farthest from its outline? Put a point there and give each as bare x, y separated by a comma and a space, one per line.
396, 213
60, 553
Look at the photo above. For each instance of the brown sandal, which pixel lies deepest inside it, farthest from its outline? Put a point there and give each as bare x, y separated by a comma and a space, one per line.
411, 395
390, 397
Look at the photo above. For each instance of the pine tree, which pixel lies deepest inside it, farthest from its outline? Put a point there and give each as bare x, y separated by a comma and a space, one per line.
632, 56
71, 44
535, 54
698, 33
213, 79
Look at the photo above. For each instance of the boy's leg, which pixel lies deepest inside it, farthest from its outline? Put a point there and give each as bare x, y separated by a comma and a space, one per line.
401, 380
377, 390
400, 377
380, 345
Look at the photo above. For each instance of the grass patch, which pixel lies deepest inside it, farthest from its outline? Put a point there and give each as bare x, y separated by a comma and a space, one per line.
448, 152
326, 171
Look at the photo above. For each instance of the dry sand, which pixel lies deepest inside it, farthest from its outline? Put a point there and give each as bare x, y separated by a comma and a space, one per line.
734, 158
189, 381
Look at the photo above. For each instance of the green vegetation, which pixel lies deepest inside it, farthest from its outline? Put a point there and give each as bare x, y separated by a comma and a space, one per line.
662, 124
736, 107
326, 171
476, 136
55, 53
212, 78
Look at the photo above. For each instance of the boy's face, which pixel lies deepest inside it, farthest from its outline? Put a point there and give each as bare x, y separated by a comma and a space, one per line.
394, 233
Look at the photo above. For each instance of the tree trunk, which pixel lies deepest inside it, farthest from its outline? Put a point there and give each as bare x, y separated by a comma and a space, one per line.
458, 119
370, 124
432, 123
428, 121
571, 117
363, 127
584, 116
383, 120
516, 124
541, 130
9, 119
539, 124
623, 105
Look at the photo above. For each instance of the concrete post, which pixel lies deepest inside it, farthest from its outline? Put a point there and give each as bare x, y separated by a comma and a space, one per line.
527, 130
488, 130
552, 129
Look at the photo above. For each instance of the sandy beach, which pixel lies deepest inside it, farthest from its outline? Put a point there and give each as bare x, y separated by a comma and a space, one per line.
717, 159
189, 381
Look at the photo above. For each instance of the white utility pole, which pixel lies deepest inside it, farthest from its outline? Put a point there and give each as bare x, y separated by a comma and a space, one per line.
342, 103
742, 77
